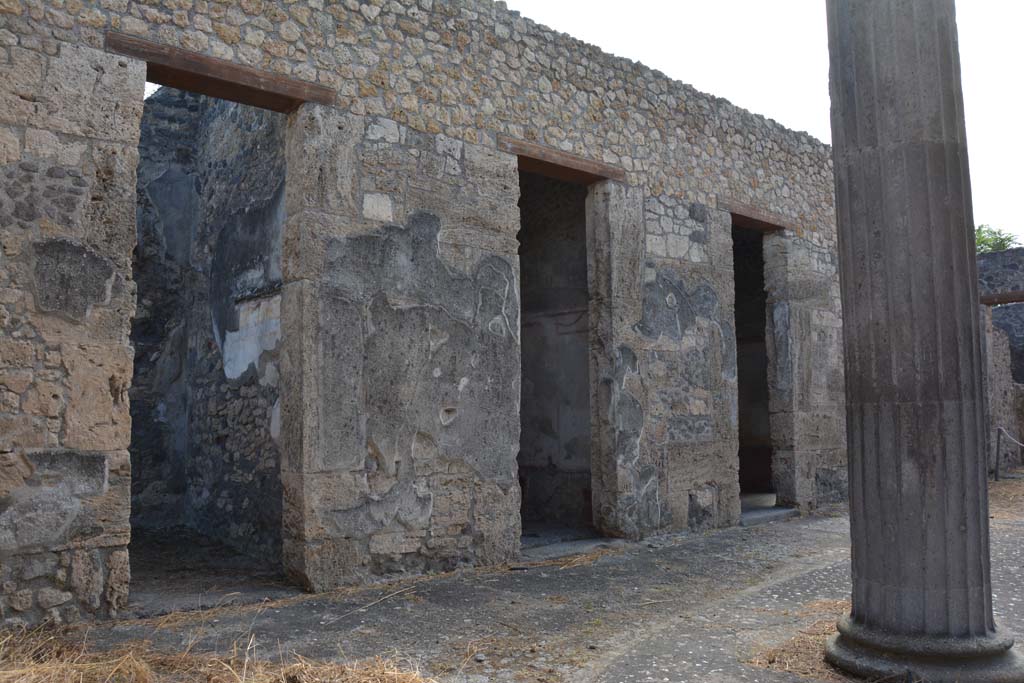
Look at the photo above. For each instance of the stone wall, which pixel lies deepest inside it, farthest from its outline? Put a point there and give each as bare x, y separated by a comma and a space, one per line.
400, 364
400, 340
69, 126
1004, 394
1001, 271
1010, 319
211, 212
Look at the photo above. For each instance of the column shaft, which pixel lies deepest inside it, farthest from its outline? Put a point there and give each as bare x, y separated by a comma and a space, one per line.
918, 487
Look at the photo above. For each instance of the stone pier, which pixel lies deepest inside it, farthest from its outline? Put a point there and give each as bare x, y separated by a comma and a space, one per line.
922, 597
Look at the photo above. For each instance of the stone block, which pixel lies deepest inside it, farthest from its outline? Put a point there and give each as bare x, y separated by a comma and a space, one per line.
10, 146
16, 381
21, 601
86, 577
37, 519
97, 416
51, 597
45, 399
118, 578
18, 431
14, 470
793, 476
17, 354
75, 473
321, 565
831, 485
37, 566
91, 94
109, 216
311, 500
22, 75
396, 543
702, 513
321, 154
46, 146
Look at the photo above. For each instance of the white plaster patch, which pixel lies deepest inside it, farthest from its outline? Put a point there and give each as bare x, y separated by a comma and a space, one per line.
269, 375
377, 207
383, 129
275, 420
259, 330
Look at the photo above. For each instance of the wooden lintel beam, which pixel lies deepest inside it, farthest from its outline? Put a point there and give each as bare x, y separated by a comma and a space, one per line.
187, 70
554, 163
1000, 298
754, 218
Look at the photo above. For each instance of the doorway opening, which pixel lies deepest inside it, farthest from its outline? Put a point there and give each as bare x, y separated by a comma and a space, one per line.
206, 486
555, 442
757, 490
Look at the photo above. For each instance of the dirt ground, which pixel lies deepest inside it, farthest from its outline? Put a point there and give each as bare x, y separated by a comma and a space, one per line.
740, 604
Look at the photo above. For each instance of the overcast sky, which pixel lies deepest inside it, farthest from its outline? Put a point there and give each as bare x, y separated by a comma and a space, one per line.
771, 56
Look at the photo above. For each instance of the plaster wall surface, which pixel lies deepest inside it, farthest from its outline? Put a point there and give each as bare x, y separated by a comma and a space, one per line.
400, 344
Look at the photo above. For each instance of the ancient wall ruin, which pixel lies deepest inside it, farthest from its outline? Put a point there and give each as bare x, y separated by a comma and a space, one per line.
208, 271
1002, 272
400, 349
1004, 396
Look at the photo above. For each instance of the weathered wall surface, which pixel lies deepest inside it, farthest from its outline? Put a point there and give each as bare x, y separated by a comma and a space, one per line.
1010, 319
1004, 394
1001, 271
400, 401
554, 446
211, 214
405, 171
69, 125
805, 368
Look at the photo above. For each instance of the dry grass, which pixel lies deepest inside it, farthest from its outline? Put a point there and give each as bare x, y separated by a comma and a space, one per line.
804, 654
1006, 497
44, 656
585, 558
830, 608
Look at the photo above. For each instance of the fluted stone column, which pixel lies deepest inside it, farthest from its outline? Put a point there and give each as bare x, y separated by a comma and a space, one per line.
922, 599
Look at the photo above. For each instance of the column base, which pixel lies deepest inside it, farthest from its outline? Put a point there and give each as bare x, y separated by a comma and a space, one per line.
1004, 666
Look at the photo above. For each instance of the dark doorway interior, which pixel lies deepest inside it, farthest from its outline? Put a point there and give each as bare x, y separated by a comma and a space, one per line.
755, 446
554, 454
206, 487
